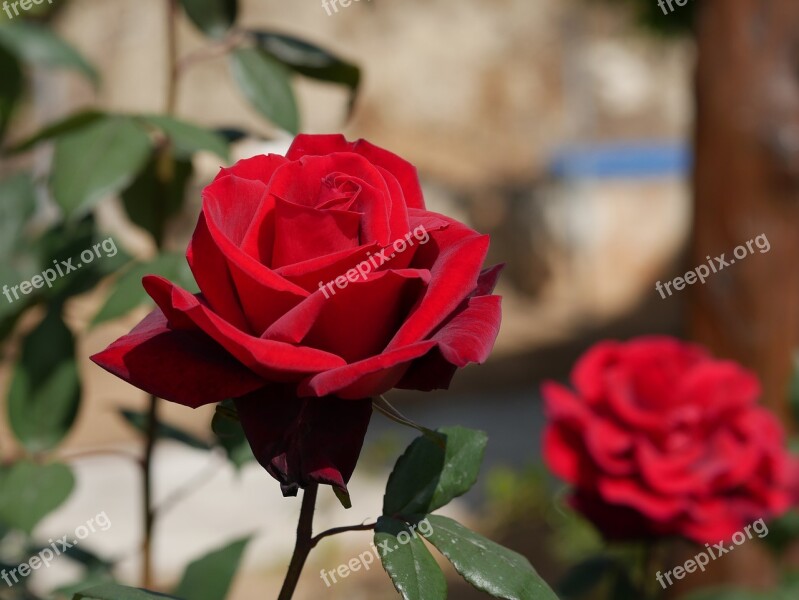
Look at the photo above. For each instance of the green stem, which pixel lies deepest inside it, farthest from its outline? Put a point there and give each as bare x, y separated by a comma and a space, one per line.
304, 542
336, 530
148, 507
147, 500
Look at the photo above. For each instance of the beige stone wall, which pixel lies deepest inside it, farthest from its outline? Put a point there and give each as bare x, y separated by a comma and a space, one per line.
473, 91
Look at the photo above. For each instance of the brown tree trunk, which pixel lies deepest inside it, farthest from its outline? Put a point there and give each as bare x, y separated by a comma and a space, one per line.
747, 184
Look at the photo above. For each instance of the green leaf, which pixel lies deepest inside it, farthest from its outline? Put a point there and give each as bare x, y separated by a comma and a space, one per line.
583, 577
231, 134
310, 60
138, 421
267, 85
427, 477
89, 581
188, 138
45, 390
724, 593
112, 591
343, 496
96, 161
95, 570
129, 293
17, 205
210, 577
213, 17
230, 435
57, 129
408, 562
68, 241
29, 492
12, 82
37, 45
17, 259
489, 567
158, 193
783, 532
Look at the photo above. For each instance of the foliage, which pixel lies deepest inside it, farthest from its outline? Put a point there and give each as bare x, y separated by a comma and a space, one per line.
427, 477
146, 160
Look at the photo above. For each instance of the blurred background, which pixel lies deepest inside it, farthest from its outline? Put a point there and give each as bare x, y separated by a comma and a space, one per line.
604, 145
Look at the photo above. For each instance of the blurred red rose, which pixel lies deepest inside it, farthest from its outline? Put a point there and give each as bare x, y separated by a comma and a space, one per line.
301, 357
659, 438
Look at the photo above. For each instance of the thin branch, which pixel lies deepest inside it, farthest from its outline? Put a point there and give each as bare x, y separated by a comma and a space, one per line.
147, 492
336, 530
221, 48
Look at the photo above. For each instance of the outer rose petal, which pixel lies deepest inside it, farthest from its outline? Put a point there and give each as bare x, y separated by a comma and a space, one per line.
299, 442
370, 377
454, 266
435, 370
274, 361
182, 366
565, 454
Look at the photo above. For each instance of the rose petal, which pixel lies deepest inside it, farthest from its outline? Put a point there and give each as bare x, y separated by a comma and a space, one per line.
631, 493
274, 361
333, 231
367, 378
182, 366
300, 442
405, 173
258, 168
455, 265
377, 304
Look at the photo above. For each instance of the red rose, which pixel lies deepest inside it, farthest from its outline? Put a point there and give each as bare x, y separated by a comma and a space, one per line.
659, 438
324, 282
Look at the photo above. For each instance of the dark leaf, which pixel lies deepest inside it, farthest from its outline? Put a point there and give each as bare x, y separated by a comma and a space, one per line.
158, 193
488, 566
230, 435
189, 139
45, 389
112, 591
310, 60
266, 84
57, 129
96, 161
583, 577
210, 577
29, 492
37, 45
11, 85
72, 243
213, 17
128, 292
408, 562
165, 431
427, 477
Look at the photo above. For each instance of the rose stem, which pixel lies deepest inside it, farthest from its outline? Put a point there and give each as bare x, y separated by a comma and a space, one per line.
149, 513
152, 413
304, 542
